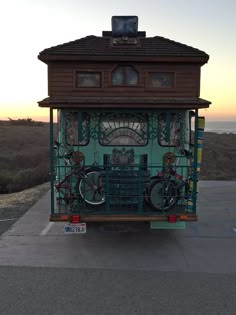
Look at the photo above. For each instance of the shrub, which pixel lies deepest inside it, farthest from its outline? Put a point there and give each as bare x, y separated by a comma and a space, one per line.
27, 178
5, 180
25, 122
24, 155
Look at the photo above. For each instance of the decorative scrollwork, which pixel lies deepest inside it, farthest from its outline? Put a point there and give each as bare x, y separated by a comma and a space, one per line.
153, 127
94, 126
122, 156
75, 127
171, 129
123, 129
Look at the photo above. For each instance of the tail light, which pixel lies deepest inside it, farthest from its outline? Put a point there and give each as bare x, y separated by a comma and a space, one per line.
172, 218
75, 218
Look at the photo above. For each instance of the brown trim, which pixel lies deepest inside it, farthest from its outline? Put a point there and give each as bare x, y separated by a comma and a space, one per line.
114, 58
124, 102
198, 83
123, 106
49, 78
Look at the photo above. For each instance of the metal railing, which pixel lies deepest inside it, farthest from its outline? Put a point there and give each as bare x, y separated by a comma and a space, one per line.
124, 189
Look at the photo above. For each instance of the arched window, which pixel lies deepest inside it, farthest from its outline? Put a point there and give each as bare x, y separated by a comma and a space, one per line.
123, 129
124, 75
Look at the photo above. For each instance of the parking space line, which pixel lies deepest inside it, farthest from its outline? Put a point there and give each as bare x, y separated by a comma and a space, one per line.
12, 219
46, 229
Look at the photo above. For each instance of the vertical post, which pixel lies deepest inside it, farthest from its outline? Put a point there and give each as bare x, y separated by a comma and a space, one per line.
107, 190
51, 161
168, 131
140, 190
80, 126
195, 179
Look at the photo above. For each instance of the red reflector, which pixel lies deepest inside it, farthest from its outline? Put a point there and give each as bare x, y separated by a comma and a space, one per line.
64, 218
183, 217
172, 218
75, 219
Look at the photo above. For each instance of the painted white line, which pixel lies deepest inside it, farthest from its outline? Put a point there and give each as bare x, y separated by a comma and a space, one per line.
46, 229
234, 229
13, 219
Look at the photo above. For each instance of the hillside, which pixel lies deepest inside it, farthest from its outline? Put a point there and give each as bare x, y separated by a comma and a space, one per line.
219, 157
24, 156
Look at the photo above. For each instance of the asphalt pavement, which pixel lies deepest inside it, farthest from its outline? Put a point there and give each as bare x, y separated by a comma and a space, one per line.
127, 269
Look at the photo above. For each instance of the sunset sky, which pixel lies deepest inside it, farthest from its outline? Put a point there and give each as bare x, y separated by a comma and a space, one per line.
29, 26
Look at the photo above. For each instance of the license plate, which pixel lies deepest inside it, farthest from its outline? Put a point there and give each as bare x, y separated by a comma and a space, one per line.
75, 228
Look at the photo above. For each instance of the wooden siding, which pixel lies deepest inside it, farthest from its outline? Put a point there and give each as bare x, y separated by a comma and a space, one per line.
62, 79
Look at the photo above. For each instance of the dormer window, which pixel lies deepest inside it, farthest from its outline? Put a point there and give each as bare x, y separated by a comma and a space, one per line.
124, 75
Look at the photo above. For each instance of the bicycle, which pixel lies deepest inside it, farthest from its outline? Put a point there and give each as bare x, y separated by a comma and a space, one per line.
79, 183
164, 190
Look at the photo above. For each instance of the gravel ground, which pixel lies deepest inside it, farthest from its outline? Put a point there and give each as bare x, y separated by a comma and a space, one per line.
16, 204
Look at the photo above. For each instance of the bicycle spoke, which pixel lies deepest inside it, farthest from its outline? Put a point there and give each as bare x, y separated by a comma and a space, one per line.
91, 189
162, 195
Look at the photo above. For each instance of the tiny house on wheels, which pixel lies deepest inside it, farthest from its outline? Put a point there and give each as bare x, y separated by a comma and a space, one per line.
129, 134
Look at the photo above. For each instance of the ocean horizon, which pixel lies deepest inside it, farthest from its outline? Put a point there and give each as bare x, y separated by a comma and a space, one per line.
221, 126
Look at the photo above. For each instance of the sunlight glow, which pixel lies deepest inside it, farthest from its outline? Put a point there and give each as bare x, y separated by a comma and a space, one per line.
23, 77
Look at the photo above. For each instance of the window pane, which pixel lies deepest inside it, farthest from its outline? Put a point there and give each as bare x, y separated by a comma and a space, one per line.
132, 76
161, 80
169, 129
118, 76
85, 79
123, 129
76, 128
124, 75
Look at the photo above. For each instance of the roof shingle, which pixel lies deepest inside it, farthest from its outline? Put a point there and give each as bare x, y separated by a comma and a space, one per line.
102, 46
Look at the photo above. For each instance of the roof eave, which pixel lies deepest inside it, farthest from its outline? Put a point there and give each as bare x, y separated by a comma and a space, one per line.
107, 58
122, 102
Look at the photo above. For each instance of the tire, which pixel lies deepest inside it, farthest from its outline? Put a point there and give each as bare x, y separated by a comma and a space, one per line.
162, 194
90, 187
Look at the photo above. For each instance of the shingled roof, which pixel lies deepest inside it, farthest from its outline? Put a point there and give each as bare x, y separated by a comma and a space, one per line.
91, 47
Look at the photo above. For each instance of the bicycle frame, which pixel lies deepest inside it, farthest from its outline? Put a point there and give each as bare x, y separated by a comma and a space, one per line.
79, 184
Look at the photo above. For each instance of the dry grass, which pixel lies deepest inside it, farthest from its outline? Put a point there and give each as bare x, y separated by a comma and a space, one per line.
24, 156
219, 157
16, 204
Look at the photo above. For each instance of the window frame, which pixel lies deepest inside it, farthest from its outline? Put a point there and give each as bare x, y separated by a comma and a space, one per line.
89, 72
174, 131
125, 76
66, 127
161, 88
129, 115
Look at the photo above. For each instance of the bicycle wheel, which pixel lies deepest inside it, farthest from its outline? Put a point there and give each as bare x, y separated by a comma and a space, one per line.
162, 194
90, 187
